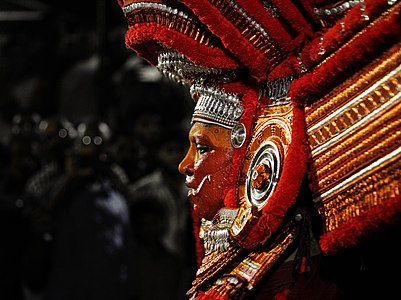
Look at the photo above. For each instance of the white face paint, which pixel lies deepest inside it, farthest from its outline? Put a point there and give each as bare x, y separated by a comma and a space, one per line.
193, 192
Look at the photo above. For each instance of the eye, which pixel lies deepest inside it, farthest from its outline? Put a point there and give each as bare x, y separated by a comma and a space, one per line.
202, 149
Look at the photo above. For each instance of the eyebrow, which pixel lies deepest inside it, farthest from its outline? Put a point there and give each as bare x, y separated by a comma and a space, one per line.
201, 136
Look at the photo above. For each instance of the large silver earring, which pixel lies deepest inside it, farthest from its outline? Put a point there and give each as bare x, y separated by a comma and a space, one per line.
238, 135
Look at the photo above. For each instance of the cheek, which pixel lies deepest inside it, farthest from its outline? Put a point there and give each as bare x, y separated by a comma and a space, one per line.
215, 162
224, 156
212, 194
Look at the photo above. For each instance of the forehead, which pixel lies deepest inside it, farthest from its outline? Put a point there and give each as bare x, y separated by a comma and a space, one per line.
212, 134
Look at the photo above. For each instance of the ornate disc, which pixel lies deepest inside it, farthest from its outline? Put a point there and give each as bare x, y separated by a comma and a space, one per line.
263, 164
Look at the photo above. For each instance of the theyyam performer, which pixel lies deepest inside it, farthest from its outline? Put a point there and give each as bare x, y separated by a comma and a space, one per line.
293, 167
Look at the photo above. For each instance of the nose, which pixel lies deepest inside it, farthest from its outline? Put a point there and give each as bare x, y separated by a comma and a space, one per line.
186, 165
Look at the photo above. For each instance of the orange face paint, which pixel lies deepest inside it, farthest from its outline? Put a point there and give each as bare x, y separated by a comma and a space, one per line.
206, 166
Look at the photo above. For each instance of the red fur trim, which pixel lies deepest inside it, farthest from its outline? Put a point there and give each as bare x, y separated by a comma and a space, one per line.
211, 295
346, 60
334, 37
309, 6
288, 67
282, 295
257, 11
143, 38
232, 39
293, 16
361, 50
357, 230
287, 190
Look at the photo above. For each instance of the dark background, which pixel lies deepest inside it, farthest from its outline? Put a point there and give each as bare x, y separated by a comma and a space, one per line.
45, 39
67, 60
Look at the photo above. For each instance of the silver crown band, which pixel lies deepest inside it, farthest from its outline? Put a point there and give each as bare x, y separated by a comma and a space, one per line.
214, 106
337, 9
144, 5
177, 67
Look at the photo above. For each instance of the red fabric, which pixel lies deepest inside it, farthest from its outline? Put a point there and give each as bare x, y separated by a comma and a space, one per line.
211, 295
362, 227
144, 39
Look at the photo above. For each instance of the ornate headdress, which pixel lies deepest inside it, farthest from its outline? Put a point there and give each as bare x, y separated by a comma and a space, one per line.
286, 77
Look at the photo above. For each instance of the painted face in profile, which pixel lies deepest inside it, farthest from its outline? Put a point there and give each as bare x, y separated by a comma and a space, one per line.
207, 166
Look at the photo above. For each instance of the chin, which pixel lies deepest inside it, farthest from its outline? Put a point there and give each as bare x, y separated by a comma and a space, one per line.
204, 206
204, 213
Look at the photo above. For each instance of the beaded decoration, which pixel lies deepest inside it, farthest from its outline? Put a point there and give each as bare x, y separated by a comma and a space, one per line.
215, 106
215, 233
180, 69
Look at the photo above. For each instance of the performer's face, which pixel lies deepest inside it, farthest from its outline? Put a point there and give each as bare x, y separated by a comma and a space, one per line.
206, 166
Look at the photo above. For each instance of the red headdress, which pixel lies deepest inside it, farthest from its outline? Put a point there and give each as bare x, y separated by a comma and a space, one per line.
306, 56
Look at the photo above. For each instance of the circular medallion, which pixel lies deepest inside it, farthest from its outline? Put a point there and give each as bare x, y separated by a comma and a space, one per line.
264, 161
263, 174
238, 135
262, 166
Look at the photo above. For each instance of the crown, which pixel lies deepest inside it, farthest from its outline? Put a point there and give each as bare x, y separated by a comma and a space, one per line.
215, 106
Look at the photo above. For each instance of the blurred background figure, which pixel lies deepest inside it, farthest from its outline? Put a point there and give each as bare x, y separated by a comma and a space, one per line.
55, 140
89, 259
131, 155
56, 136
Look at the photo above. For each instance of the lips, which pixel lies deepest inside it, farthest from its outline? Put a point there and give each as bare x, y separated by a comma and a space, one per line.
189, 182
